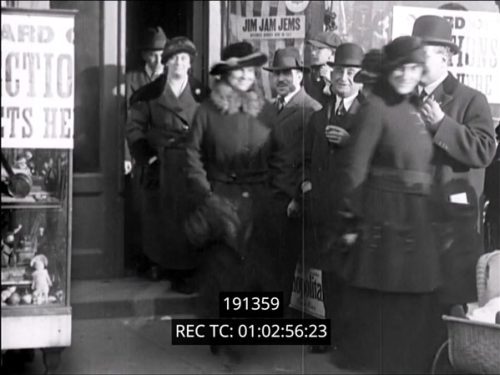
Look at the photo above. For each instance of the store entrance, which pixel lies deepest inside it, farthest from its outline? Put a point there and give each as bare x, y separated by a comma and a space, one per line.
175, 18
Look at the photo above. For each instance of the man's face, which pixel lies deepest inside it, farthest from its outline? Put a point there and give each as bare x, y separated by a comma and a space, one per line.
343, 81
287, 81
153, 61
436, 64
323, 55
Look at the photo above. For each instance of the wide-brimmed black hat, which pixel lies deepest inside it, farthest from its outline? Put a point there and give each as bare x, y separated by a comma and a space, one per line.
238, 55
325, 39
434, 30
403, 50
177, 45
348, 54
370, 67
285, 59
153, 39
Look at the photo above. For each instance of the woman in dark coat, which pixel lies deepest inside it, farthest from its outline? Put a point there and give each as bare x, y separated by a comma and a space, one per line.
227, 157
160, 119
390, 305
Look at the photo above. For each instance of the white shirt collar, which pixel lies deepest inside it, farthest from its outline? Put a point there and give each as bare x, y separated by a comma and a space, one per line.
150, 73
289, 97
429, 89
347, 101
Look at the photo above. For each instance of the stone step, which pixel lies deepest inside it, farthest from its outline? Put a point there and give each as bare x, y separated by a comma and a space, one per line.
127, 297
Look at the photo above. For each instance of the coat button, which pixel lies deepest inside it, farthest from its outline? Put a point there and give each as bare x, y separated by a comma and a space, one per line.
245, 194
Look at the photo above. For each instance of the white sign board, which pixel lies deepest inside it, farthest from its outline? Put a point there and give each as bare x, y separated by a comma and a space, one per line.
476, 33
307, 292
37, 73
281, 27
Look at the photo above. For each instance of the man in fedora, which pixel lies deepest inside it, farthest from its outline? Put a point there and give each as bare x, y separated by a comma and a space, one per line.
322, 50
460, 121
328, 132
151, 47
287, 116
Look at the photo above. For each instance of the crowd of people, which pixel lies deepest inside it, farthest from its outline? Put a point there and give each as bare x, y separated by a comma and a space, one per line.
368, 166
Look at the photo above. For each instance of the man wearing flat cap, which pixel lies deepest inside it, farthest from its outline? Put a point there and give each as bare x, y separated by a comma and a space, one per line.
328, 132
317, 82
460, 121
287, 116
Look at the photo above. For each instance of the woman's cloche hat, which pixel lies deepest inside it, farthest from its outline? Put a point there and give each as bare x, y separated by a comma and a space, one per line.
403, 50
236, 56
177, 45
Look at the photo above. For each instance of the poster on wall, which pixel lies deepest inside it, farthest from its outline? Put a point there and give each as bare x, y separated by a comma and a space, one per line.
280, 27
476, 33
37, 73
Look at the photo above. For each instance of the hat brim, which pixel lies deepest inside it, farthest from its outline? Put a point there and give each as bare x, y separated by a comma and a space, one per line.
186, 49
281, 68
318, 44
355, 64
364, 76
256, 59
414, 58
445, 43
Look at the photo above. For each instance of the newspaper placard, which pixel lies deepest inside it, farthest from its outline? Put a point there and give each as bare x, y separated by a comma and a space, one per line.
281, 27
476, 33
37, 73
307, 293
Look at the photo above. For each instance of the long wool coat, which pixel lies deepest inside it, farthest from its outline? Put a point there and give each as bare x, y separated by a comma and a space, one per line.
465, 146
227, 154
386, 172
164, 121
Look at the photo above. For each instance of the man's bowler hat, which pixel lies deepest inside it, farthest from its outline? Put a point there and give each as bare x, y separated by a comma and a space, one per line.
434, 30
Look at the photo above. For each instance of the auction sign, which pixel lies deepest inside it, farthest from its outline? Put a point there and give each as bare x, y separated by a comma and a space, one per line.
38, 84
476, 33
280, 27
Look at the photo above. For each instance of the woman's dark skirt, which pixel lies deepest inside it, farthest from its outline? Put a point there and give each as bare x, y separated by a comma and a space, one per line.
390, 332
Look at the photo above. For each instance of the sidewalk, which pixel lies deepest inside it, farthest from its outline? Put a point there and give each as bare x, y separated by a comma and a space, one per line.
143, 346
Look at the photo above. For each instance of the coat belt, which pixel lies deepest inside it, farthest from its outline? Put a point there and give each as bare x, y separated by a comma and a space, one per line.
238, 177
167, 139
400, 180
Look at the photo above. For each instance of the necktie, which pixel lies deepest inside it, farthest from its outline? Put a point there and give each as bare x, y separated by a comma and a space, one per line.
280, 103
341, 109
423, 96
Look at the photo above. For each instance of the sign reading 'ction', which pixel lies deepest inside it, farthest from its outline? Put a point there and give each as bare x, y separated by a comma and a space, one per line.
37, 81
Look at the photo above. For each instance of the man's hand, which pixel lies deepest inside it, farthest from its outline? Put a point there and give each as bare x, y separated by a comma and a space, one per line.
294, 209
336, 135
306, 187
127, 167
432, 113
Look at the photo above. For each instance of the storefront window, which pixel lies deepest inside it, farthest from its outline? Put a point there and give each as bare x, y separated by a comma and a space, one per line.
87, 82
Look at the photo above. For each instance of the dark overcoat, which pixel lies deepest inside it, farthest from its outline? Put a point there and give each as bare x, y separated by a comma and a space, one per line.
163, 120
386, 171
464, 147
227, 154
284, 235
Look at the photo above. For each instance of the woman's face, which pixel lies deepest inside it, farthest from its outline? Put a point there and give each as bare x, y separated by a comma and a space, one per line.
178, 65
241, 79
405, 78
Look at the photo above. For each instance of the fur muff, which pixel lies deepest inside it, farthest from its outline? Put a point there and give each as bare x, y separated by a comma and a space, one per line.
215, 221
229, 101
